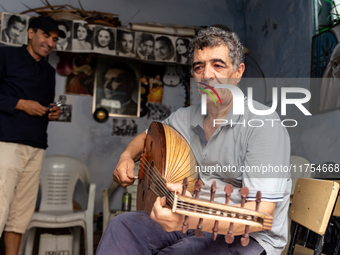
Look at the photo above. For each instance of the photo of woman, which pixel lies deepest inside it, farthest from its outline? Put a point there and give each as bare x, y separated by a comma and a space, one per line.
182, 50
82, 36
104, 41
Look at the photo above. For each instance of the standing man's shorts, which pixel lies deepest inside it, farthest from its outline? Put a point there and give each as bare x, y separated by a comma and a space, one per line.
20, 167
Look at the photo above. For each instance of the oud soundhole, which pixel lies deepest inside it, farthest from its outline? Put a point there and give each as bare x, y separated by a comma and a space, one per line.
151, 146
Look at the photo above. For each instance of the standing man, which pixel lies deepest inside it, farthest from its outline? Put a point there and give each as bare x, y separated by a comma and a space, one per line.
217, 58
27, 84
15, 26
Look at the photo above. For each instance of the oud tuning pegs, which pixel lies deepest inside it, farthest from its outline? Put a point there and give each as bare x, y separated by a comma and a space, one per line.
185, 226
212, 195
198, 230
228, 190
245, 237
212, 191
229, 238
215, 230
198, 187
258, 200
244, 193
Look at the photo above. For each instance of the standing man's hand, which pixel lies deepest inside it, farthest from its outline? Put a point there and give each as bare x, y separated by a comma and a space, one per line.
31, 107
54, 112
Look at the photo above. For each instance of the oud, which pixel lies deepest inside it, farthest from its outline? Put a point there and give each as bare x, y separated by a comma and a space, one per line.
167, 158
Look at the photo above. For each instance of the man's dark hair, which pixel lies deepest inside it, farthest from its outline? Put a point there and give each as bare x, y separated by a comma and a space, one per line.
165, 40
112, 40
15, 18
146, 37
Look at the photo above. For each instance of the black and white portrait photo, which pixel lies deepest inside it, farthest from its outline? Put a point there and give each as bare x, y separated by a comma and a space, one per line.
164, 48
104, 40
65, 108
158, 111
82, 37
117, 86
124, 127
64, 43
14, 29
125, 43
182, 50
145, 44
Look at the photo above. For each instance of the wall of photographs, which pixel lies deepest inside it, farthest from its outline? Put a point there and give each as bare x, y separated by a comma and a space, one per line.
83, 37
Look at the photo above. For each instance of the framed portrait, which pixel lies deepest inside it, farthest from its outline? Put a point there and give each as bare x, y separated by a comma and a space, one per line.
117, 86
325, 71
14, 29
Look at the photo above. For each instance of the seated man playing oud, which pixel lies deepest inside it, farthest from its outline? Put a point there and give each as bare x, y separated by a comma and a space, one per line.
217, 58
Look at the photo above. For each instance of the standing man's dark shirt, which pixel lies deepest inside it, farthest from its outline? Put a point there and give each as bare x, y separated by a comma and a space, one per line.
22, 77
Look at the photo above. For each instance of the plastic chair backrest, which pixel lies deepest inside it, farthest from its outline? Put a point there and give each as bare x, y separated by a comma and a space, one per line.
59, 176
298, 169
313, 203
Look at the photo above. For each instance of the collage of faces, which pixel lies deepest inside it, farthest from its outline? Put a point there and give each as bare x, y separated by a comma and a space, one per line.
82, 37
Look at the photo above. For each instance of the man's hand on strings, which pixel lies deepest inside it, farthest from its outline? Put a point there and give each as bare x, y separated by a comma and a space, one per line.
124, 173
163, 215
168, 220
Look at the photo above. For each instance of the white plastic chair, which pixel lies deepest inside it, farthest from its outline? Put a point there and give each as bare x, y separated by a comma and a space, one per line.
298, 170
58, 179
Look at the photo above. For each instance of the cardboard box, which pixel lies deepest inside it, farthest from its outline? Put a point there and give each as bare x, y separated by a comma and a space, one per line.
56, 244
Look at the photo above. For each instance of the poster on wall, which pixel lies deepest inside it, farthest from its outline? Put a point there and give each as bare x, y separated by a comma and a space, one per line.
165, 48
65, 108
64, 43
325, 71
124, 127
14, 29
80, 71
117, 86
82, 36
104, 40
